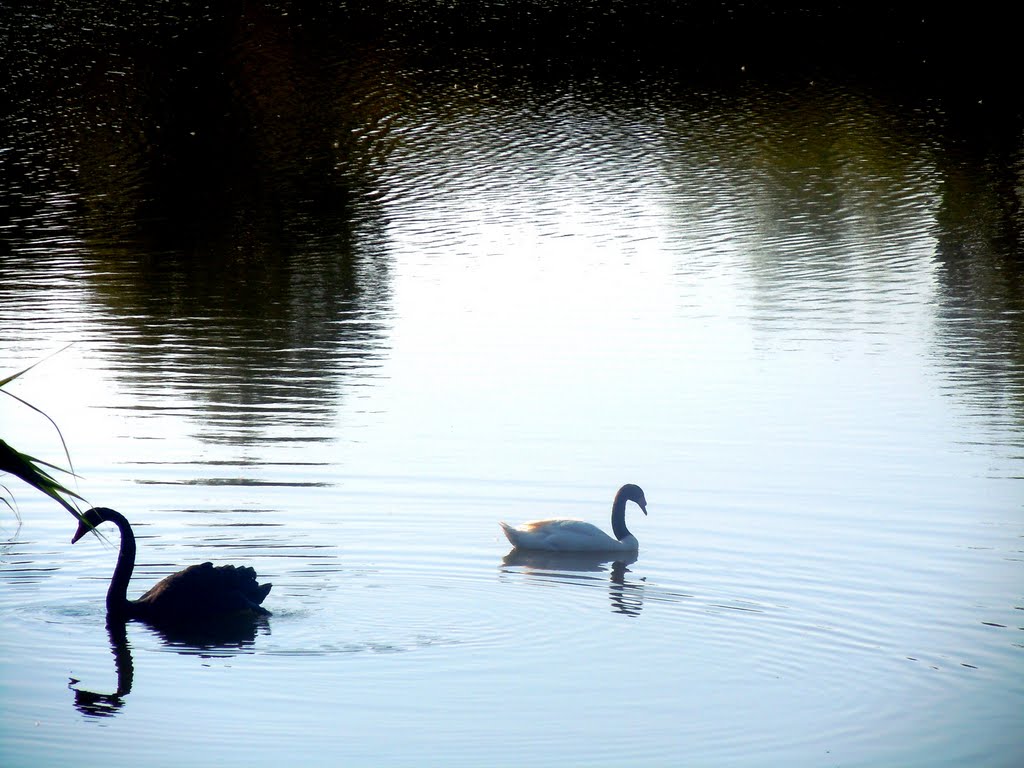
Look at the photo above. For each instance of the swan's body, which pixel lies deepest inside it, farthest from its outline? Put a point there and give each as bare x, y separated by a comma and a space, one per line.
566, 536
577, 535
197, 593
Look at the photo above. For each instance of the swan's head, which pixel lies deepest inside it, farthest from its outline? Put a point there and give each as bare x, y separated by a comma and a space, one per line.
90, 520
635, 494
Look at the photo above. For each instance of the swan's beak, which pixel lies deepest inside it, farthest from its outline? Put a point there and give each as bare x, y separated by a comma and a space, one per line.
82, 530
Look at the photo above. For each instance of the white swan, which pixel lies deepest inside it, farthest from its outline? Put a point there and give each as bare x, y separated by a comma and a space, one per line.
578, 536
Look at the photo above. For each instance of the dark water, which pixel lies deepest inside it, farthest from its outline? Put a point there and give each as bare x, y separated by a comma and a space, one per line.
344, 287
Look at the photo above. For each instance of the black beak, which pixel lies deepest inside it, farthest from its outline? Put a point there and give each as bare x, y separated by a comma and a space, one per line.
82, 530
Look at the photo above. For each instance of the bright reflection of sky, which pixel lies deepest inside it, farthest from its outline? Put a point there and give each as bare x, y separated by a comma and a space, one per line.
744, 322
521, 313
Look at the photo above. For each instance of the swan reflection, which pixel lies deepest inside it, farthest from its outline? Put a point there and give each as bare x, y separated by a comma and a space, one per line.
215, 638
626, 595
98, 704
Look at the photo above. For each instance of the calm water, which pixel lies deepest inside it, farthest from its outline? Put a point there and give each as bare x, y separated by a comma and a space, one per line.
336, 311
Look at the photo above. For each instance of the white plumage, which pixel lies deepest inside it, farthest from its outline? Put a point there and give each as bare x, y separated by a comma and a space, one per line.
580, 536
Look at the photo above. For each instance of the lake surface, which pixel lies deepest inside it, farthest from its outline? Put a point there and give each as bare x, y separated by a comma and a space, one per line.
334, 311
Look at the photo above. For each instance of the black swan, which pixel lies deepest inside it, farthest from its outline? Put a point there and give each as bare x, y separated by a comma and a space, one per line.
197, 593
578, 536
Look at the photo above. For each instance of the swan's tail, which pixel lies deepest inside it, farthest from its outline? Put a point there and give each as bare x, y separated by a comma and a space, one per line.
511, 534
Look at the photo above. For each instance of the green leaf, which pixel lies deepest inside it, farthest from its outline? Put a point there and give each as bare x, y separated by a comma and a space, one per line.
32, 470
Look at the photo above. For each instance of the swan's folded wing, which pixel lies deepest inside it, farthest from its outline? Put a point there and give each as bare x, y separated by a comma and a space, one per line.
560, 536
201, 590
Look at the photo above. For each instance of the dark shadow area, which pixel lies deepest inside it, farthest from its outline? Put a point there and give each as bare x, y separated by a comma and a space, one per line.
224, 114
207, 147
187, 132
203, 174
213, 174
980, 320
219, 636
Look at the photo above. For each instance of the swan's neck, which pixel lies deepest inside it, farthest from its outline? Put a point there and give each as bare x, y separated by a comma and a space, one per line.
117, 594
619, 517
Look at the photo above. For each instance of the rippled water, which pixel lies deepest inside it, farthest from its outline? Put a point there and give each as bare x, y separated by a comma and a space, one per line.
354, 305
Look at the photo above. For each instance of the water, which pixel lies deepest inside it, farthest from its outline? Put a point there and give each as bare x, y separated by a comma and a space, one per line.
388, 297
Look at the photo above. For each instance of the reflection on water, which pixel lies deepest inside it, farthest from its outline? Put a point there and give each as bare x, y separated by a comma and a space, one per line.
277, 345
626, 595
213, 229
232, 240
582, 562
346, 283
97, 704
217, 638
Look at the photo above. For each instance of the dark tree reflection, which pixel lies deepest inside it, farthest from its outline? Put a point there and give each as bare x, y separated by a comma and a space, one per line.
208, 171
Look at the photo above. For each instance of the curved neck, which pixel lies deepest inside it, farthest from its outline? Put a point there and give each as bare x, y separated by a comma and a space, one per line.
117, 594
619, 516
